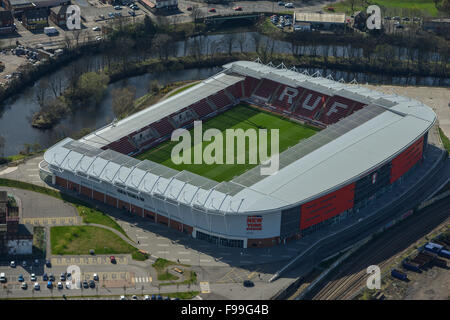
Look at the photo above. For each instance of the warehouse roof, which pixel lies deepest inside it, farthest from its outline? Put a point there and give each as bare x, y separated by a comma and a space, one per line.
319, 17
334, 157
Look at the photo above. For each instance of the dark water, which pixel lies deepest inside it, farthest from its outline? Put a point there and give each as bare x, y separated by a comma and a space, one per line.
16, 112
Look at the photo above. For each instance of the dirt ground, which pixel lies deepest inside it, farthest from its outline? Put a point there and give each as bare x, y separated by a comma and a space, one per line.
435, 97
12, 62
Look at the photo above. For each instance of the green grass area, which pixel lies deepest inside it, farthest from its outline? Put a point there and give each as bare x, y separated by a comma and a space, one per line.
166, 276
183, 295
88, 214
445, 140
39, 240
80, 239
183, 88
391, 7
161, 264
240, 117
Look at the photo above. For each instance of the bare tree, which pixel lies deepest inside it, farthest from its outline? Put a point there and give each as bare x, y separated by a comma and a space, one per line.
196, 15
241, 40
41, 91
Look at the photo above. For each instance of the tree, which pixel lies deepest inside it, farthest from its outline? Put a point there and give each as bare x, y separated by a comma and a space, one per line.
196, 15
2, 145
123, 100
41, 91
163, 43
154, 87
92, 85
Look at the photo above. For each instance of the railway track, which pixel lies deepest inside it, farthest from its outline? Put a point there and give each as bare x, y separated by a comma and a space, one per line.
382, 251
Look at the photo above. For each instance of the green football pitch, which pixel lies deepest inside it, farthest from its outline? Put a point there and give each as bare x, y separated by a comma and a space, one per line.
239, 117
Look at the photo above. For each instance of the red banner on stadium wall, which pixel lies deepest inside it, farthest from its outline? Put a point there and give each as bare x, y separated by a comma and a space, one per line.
327, 206
406, 160
254, 223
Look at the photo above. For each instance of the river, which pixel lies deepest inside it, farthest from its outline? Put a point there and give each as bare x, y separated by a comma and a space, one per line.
16, 112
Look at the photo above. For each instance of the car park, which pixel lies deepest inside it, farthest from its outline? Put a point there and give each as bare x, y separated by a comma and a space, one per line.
33, 277
12, 264
37, 286
24, 286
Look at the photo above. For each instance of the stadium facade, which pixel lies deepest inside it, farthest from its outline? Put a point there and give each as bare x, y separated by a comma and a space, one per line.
369, 142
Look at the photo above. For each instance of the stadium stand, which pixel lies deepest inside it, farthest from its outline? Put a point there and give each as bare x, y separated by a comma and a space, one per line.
309, 104
336, 108
236, 90
164, 127
220, 99
266, 88
250, 85
123, 146
202, 108
286, 97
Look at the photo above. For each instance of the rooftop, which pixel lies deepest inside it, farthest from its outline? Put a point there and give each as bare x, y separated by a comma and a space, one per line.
319, 17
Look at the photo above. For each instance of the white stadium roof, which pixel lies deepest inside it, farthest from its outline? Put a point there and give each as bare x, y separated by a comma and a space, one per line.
334, 157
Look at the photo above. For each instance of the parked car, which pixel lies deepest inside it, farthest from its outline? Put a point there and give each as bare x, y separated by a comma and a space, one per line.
24, 264
20, 278
111, 14
166, 298
24, 286
134, 297
281, 3
132, 13
399, 26
37, 286
158, 297
248, 283
98, 38
49, 284
51, 277
45, 277
68, 285
33, 277
85, 284
62, 277
102, 17
48, 263
112, 259
117, 7
238, 8
146, 297
289, 5
212, 10
123, 298
189, 8
60, 285
36, 262
96, 28
92, 284
153, 297
12, 264
95, 277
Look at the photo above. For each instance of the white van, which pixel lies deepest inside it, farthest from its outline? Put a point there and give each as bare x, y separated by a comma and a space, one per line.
2, 277
289, 5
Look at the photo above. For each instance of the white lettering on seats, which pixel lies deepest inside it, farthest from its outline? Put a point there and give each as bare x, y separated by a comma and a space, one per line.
291, 93
306, 104
334, 107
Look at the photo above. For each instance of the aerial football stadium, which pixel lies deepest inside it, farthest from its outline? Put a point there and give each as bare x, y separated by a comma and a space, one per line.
341, 146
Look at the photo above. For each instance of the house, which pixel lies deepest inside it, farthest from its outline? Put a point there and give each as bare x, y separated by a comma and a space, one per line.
35, 19
15, 238
6, 22
59, 15
18, 7
160, 5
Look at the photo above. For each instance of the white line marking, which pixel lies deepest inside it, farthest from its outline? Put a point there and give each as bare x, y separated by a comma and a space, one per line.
163, 252
162, 245
184, 252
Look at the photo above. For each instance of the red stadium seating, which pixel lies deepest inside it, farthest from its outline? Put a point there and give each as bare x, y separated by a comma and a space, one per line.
266, 88
123, 146
220, 99
286, 97
250, 85
202, 108
310, 103
337, 108
236, 90
163, 126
